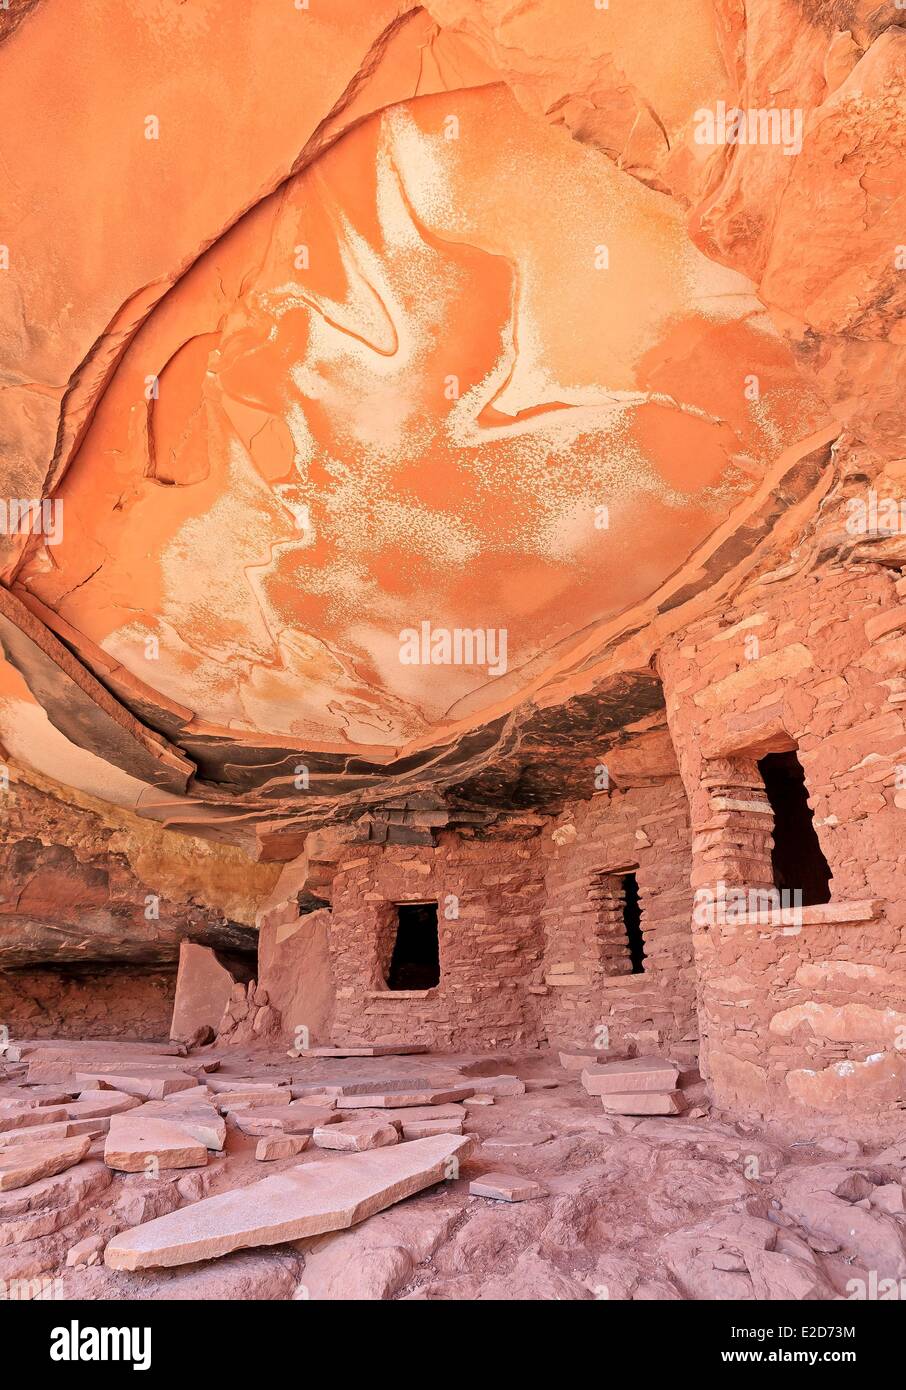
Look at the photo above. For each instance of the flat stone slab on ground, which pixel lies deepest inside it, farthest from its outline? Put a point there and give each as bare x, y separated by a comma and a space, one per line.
505, 1187
199, 1094
282, 1119
355, 1136
637, 1074
101, 1105
145, 1085
103, 1047
27, 1117
388, 1099
244, 1083
350, 1085
274, 1146
28, 1163
579, 1061
413, 1113
420, 1129
367, 1050
308, 1200
58, 1191
134, 1140
517, 1138
497, 1085
60, 1069
645, 1103
63, 1129
200, 1121
246, 1100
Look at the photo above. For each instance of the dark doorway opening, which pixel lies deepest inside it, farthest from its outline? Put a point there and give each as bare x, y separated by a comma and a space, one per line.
632, 921
415, 963
796, 859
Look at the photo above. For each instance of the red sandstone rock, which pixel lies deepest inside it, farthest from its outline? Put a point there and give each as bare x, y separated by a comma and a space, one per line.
644, 1103
136, 1142
247, 1098
579, 1061
275, 1146
305, 1201
203, 987
145, 1086
505, 1187
641, 1074
28, 1163
199, 679
201, 1122
359, 1097
517, 1139
282, 1119
354, 1136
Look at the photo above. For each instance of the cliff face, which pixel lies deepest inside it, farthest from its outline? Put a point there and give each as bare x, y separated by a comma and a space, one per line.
386, 384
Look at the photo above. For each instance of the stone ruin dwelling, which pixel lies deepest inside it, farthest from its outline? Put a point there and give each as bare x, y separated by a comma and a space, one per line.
453, 633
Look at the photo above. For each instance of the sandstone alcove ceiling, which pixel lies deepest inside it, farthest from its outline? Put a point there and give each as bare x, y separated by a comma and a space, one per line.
453, 658
454, 329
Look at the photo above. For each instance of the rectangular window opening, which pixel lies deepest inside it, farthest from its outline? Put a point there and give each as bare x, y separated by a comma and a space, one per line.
415, 962
797, 859
632, 921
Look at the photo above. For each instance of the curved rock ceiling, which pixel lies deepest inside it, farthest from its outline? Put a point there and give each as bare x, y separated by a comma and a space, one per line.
413, 319
421, 426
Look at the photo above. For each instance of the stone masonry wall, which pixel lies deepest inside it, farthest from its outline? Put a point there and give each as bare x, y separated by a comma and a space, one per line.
490, 951
586, 961
111, 1001
810, 1018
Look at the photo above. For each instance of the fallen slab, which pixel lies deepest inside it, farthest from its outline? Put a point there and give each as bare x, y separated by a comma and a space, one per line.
57, 1192
105, 1047
505, 1187
517, 1139
354, 1136
284, 1119
579, 1061
197, 1094
386, 1083
99, 1105
227, 1101
134, 1140
29, 1162
420, 1121
274, 1146
498, 1086
308, 1200
64, 1129
28, 1117
60, 1070
420, 1129
147, 1086
218, 1084
202, 1122
361, 1097
366, 1050
637, 1074
203, 989
645, 1103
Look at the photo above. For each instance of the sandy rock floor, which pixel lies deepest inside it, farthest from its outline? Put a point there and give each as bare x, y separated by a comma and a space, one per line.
661, 1208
